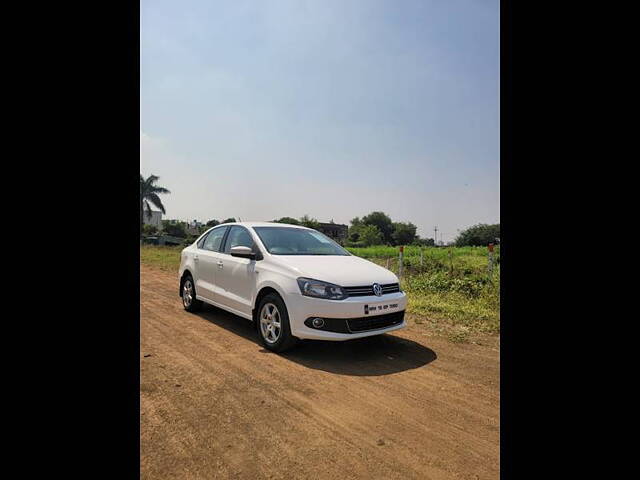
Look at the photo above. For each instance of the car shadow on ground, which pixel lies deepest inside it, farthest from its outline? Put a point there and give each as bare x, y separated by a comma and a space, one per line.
233, 323
371, 356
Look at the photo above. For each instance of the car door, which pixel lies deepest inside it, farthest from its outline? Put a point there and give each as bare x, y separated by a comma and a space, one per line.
235, 276
206, 261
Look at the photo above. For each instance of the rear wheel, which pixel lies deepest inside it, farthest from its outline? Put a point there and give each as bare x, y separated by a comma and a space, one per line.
273, 324
189, 300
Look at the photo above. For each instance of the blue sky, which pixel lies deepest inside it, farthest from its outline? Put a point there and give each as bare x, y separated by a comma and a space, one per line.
262, 109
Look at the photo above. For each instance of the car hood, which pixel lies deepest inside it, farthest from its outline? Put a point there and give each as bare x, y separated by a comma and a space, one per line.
346, 271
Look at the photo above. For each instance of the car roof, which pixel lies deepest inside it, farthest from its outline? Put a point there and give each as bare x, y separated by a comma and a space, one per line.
264, 224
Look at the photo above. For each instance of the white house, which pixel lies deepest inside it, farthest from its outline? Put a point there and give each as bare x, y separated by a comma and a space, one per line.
155, 219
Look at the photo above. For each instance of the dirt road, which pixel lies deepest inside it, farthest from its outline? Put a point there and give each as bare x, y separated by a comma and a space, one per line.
215, 404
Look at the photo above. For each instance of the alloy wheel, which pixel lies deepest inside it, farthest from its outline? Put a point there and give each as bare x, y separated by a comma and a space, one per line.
270, 323
187, 293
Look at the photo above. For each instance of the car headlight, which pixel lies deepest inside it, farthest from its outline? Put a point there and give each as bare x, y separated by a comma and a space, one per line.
318, 289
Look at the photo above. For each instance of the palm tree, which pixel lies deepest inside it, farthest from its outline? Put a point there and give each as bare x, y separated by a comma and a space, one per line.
149, 194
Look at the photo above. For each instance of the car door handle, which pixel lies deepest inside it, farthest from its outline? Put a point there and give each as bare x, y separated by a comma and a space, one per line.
220, 264
195, 258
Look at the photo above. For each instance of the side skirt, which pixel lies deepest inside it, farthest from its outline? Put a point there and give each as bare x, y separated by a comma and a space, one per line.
224, 307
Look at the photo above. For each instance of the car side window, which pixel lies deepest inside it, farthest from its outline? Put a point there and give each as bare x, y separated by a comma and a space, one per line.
213, 241
201, 241
238, 236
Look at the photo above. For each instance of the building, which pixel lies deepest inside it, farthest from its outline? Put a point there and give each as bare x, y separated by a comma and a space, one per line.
336, 231
193, 228
155, 219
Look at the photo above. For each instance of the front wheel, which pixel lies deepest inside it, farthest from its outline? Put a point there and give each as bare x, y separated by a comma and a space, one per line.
273, 324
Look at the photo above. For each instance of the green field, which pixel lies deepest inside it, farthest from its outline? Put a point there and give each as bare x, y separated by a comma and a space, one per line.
449, 290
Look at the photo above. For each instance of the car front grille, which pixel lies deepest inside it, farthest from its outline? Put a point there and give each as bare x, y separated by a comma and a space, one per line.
367, 290
373, 323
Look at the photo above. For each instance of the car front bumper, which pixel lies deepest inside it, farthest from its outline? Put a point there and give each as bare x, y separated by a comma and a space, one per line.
355, 312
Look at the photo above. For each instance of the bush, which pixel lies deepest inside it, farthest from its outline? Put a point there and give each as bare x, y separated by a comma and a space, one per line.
149, 230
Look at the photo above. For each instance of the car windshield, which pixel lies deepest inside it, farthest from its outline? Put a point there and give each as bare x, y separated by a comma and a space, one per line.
297, 241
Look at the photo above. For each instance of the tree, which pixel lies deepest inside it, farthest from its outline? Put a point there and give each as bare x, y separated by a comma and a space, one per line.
149, 192
229, 220
478, 235
212, 223
149, 230
174, 228
383, 222
424, 242
370, 235
307, 221
364, 235
404, 233
353, 234
289, 220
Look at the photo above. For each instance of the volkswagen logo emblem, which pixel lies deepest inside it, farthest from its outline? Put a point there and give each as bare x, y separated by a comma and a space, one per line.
377, 289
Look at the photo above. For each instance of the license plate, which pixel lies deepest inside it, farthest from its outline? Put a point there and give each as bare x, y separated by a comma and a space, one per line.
379, 308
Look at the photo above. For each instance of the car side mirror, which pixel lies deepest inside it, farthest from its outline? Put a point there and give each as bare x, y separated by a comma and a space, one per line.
242, 252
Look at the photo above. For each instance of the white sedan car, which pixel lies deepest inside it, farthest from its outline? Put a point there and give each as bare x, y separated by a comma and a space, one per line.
293, 282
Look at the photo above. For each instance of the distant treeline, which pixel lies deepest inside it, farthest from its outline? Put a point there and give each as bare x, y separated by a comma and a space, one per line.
376, 228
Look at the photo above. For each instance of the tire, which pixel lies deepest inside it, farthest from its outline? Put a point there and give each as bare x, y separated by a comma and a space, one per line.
189, 300
272, 322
